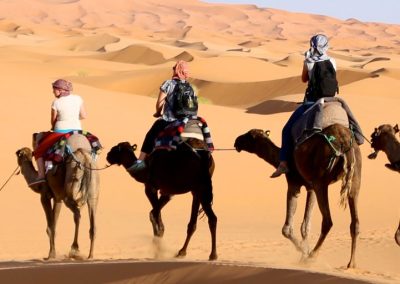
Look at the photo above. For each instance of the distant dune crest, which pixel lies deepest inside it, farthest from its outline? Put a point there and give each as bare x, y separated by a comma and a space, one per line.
246, 25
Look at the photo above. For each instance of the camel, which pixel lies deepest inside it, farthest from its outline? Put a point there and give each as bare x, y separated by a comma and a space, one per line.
170, 172
72, 182
384, 139
317, 163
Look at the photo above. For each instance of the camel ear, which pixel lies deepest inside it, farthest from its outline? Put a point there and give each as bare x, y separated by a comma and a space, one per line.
396, 128
134, 147
267, 132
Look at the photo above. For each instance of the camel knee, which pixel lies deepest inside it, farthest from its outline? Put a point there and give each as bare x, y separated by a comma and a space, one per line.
326, 226
191, 228
287, 231
354, 228
305, 229
92, 233
212, 221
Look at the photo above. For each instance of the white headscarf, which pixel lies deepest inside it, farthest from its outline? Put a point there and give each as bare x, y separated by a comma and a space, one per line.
318, 48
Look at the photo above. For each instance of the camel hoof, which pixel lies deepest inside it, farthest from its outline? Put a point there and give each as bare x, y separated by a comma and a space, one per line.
52, 255
74, 253
181, 254
158, 227
213, 256
351, 265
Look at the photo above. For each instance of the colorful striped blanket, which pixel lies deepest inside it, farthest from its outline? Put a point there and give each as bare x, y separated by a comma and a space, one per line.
58, 151
175, 133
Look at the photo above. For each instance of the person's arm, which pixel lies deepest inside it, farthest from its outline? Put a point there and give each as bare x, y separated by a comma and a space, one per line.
53, 118
82, 112
304, 73
160, 103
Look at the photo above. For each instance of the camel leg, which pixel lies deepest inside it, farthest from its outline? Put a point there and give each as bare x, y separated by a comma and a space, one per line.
48, 210
306, 224
77, 218
56, 213
354, 230
92, 207
323, 203
212, 223
397, 235
291, 205
191, 228
155, 213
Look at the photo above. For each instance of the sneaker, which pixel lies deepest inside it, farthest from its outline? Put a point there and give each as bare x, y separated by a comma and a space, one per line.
282, 169
138, 166
38, 181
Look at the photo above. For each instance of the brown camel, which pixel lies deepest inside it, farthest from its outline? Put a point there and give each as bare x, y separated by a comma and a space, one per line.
72, 182
317, 163
384, 139
174, 172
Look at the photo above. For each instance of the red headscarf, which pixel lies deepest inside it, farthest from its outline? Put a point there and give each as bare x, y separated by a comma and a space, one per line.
181, 70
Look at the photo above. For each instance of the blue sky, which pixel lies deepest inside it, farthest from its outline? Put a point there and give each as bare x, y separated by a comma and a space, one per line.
386, 11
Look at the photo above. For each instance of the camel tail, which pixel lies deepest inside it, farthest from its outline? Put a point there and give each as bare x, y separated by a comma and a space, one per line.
347, 179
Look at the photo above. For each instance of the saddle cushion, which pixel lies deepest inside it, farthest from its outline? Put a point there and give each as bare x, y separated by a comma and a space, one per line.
182, 129
319, 116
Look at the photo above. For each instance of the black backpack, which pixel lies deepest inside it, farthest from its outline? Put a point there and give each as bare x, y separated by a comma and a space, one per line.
323, 82
184, 100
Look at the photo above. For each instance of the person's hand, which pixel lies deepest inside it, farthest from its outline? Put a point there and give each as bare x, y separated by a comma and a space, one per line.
157, 114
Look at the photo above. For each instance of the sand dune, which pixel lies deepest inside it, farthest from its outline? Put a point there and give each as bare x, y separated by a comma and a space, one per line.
245, 63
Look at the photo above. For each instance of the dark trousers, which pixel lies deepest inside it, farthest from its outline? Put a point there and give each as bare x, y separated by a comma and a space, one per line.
149, 140
287, 140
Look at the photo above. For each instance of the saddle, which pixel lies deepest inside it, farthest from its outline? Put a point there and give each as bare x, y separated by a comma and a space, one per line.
325, 112
54, 147
185, 130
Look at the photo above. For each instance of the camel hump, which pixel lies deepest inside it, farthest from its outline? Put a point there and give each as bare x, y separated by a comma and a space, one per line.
76, 141
334, 113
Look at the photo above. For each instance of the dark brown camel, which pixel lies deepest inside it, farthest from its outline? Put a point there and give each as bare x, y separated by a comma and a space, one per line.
317, 164
72, 182
384, 139
174, 172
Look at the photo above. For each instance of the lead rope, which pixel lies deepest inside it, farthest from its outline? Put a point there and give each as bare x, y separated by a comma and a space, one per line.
69, 151
13, 173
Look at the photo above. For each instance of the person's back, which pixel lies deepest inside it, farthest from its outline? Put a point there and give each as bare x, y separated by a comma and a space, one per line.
323, 82
68, 112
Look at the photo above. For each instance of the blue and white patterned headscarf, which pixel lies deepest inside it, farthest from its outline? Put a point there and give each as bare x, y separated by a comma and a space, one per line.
318, 48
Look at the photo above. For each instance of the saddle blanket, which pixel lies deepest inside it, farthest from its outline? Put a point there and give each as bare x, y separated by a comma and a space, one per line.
52, 145
181, 129
325, 112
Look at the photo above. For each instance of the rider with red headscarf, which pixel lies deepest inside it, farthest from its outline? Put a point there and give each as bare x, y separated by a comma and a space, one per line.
164, 110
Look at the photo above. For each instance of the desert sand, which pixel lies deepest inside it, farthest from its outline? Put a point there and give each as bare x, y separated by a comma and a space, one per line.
245, 63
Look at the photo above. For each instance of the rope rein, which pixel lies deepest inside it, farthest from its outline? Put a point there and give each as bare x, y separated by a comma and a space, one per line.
80, 164
13, 173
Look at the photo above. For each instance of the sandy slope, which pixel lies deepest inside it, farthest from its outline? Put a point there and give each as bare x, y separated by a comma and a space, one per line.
245, 63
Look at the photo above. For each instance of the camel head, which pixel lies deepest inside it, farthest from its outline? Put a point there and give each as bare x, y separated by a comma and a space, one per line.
122, 154
24, 154
381, 136
249, 141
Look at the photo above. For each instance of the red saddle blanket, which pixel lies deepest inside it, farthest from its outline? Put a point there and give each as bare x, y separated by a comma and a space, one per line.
51, 145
